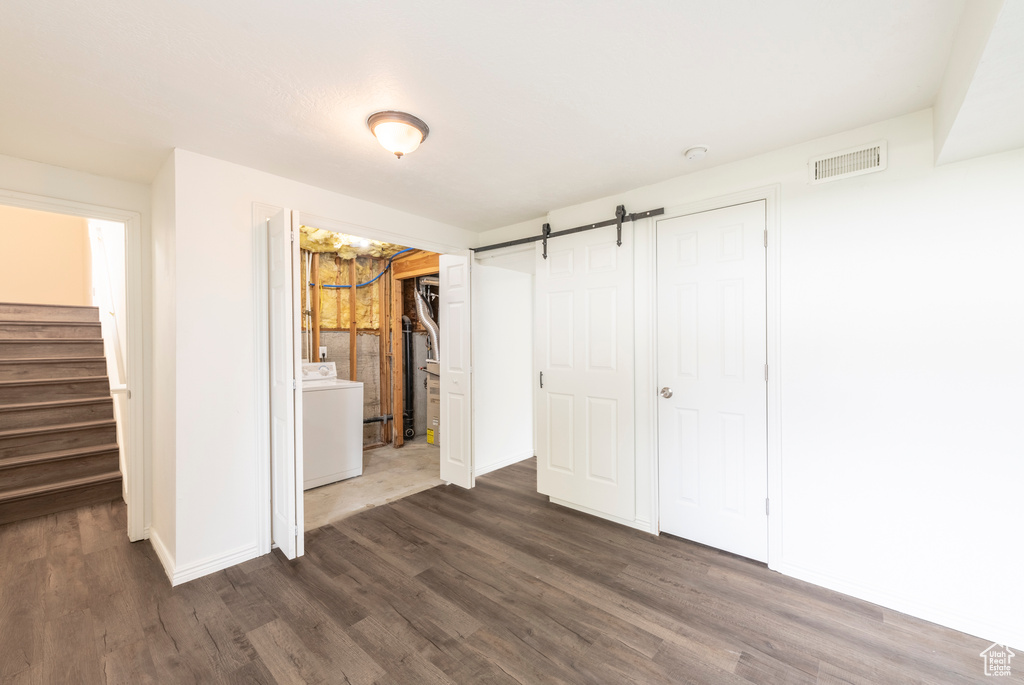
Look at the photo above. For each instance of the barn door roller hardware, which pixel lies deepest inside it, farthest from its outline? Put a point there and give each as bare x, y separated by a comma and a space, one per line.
546, 232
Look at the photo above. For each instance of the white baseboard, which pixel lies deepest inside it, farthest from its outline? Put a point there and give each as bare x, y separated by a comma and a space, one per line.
1011, 636
201, 568
205, 567
166, 560
645, 526
508, 461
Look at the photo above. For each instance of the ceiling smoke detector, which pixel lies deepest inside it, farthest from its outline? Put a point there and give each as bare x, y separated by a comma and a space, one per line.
398, 132
695, 153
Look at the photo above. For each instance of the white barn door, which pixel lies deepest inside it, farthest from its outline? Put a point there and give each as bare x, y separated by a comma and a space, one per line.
455, 364
285, 393
584, 357
712, 414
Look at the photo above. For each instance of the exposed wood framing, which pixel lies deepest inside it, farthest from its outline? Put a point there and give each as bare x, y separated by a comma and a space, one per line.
337, 291
314, 354
344, 329
413, 264
408, 266
352, 319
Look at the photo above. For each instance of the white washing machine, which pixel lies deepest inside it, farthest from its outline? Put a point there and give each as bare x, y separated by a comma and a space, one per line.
332, 426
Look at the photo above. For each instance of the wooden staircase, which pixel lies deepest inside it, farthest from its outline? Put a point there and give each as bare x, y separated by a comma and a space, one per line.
58, 438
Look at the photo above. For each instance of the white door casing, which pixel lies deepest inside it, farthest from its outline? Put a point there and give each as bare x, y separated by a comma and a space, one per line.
456, 366
285, 393
712, 431
584, 351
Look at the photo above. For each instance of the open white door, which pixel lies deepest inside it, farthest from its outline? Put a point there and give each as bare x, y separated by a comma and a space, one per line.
712, 414
584, 356
456, 382
285, 393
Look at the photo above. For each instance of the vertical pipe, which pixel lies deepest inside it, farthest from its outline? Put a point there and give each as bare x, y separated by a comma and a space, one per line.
314, 352
408, 420
352, 320
383, 329
398, 370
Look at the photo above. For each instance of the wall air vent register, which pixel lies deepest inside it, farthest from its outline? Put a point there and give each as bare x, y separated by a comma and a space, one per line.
865, 159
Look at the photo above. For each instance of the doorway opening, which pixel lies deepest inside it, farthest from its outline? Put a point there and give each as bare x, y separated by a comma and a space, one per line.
369, 353
64, 364
466, 449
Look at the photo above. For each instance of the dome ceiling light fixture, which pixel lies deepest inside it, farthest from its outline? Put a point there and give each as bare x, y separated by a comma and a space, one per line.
398, 132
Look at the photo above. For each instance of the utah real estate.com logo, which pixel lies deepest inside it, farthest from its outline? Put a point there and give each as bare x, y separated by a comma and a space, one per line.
997, 659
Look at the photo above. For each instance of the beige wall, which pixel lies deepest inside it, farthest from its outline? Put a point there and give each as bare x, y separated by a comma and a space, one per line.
44, 258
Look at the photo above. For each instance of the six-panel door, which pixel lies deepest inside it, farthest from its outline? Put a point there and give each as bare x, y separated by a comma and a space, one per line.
712, 432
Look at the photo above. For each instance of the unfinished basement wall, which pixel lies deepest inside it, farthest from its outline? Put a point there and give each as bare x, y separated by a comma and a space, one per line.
367, 372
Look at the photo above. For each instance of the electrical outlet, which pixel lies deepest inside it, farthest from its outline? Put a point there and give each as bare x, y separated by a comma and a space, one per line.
323, 353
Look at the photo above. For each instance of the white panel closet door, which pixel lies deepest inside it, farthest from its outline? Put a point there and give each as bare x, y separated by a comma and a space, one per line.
712, 431
584, 349
285, 396
455, 363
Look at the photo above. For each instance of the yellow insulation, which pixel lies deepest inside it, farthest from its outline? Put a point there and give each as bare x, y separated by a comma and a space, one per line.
335, 272
370, 255
344, 245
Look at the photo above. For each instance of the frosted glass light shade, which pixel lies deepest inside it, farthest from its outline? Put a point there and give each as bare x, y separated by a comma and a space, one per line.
398, 132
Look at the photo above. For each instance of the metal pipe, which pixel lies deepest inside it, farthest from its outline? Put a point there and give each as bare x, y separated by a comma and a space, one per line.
408, 410
424, 314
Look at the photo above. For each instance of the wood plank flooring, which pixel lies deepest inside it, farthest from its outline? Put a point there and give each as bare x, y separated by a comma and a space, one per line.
493, 585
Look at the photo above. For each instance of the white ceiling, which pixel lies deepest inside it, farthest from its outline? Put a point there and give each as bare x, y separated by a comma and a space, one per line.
987, 109
532, 105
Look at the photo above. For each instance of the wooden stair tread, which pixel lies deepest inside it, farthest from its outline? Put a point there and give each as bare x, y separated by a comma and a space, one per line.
56, 404
55, 306
59, 455
52, 360
48, 341
45, 322
53, 381
59, 428
63, 486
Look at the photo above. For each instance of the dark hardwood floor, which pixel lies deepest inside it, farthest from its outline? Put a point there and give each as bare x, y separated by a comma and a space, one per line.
493, 585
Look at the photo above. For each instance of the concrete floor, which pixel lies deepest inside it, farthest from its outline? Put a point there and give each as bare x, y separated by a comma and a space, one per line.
389, 473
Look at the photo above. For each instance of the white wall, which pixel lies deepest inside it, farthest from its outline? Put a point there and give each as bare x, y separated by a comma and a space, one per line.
107, 249
44, 258
502, 367
211, 298
902, 326
24, 176
163, 429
